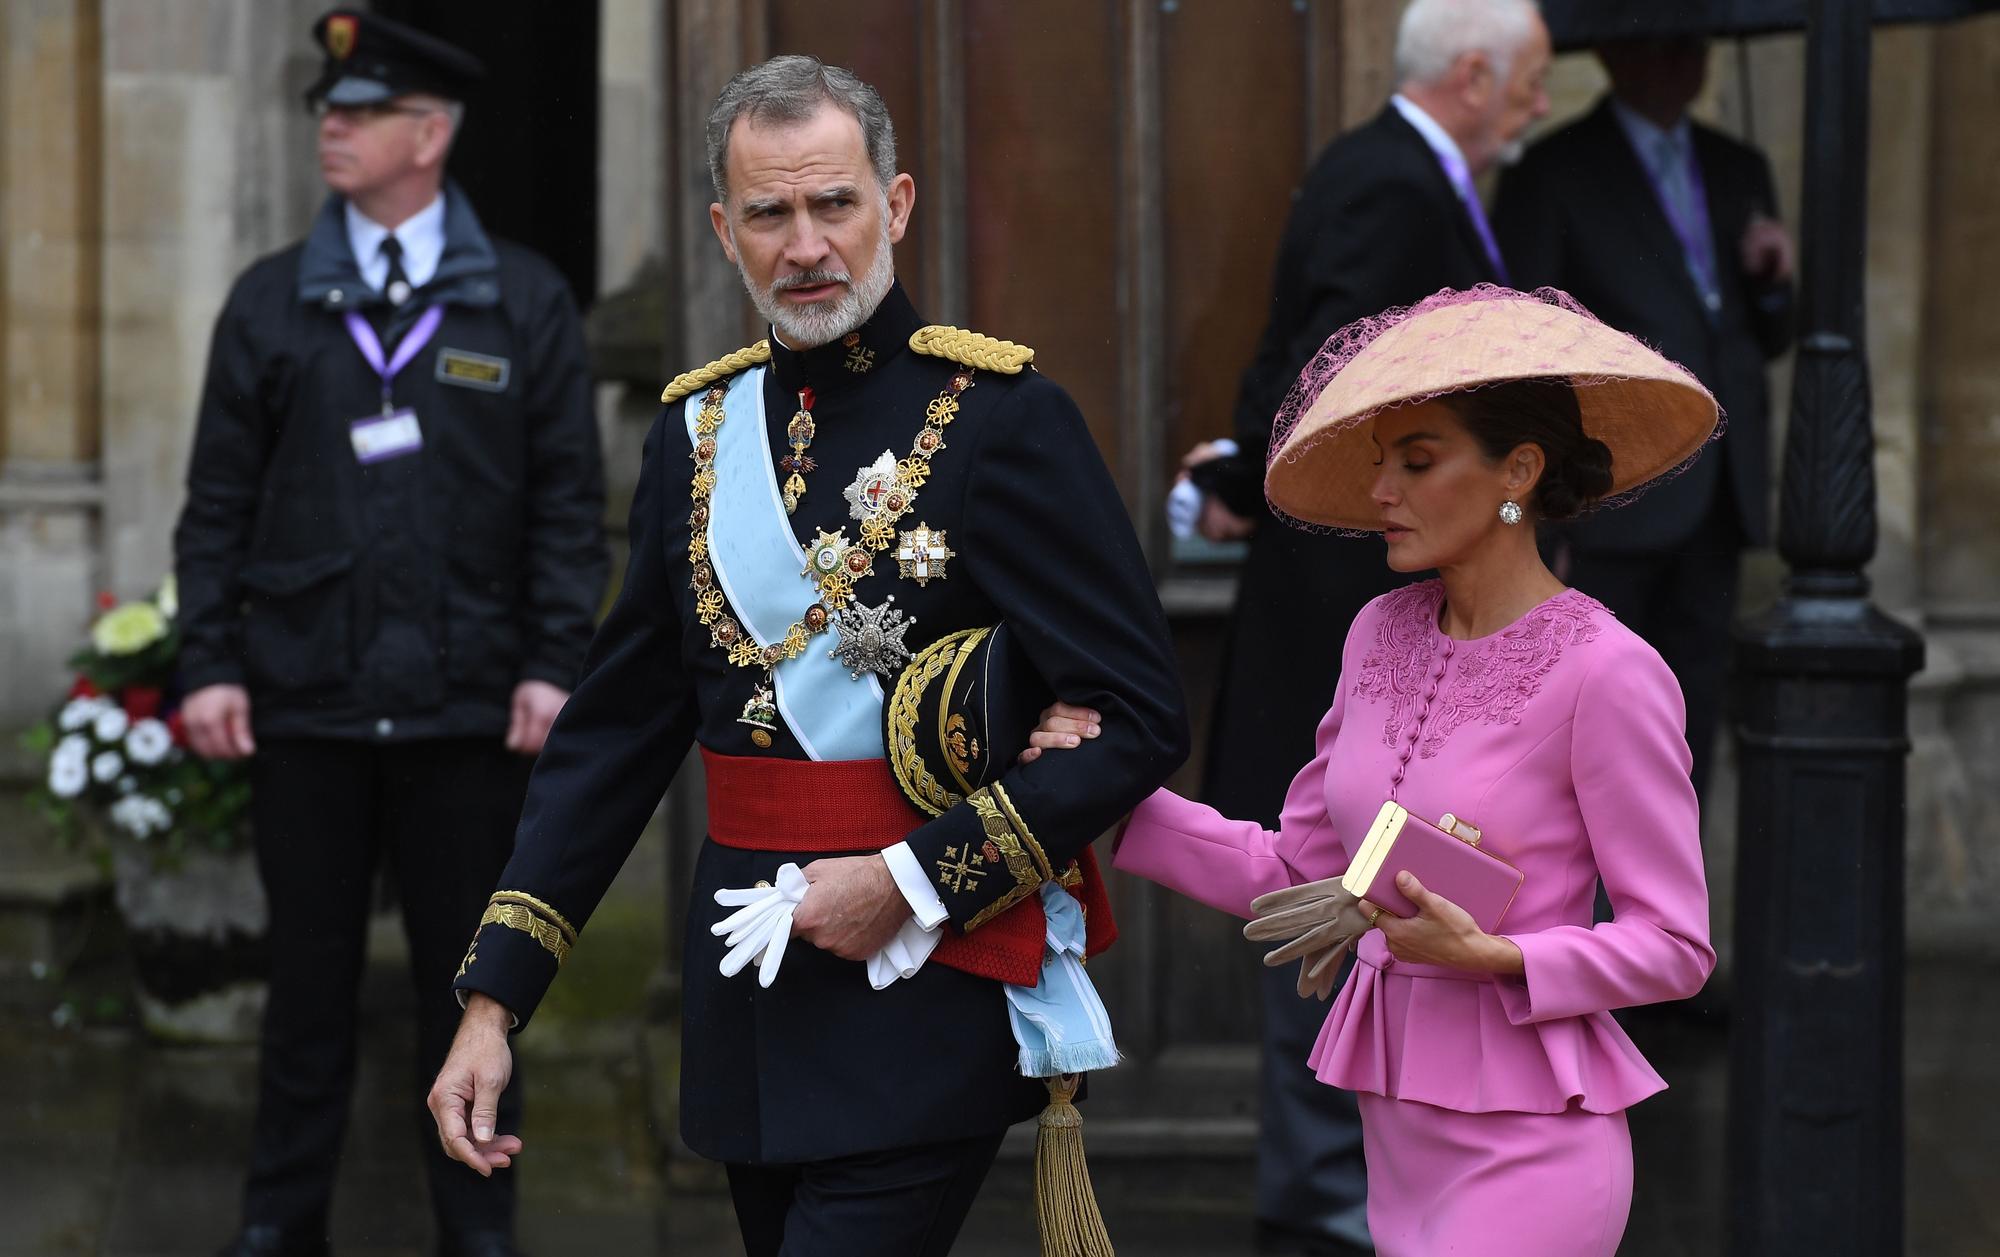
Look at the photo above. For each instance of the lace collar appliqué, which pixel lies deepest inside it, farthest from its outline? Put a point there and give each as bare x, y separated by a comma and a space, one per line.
1495, 677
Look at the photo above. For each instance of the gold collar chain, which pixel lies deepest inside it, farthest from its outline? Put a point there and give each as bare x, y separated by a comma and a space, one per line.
835, 564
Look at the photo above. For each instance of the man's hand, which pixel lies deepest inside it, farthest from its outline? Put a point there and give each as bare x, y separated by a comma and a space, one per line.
1219, 523
852, 906
1216, 522
1063, 726
1766, 250
536, 705
218, 722
465, 1099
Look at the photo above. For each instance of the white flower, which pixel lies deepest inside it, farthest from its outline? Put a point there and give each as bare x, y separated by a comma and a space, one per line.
139, 815
74, 748
107, 766
67, 776
78, 712
168, 600
148, 742
111, 724
129, 629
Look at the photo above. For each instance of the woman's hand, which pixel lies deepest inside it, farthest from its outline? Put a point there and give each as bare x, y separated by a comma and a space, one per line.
1442, 933
1062, 727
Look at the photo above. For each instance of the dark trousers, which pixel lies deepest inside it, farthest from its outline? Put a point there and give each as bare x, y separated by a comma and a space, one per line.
1312, 1181
442, 813
1682, 601
905, 1202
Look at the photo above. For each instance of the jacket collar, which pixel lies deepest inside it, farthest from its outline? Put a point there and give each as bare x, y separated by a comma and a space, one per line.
849, 361
468, 272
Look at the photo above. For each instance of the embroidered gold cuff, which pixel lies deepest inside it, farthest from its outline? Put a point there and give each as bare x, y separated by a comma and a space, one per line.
517, 910
1014, 847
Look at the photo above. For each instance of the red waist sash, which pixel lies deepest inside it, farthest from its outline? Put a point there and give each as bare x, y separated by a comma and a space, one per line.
831, 806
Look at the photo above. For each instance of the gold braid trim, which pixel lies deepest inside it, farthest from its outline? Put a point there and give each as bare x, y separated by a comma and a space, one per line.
1000, 832
517, 917
721, 369
917, 780
1027, 835
527, 900
971, 349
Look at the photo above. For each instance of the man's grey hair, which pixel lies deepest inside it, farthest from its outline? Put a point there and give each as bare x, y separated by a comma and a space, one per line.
1434, 34
790, 90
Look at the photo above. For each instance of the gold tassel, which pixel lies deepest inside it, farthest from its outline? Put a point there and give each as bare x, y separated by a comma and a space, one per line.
1065, 1205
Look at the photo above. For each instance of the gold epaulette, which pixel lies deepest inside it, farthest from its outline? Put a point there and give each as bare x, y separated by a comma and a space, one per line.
721, 369
971, 349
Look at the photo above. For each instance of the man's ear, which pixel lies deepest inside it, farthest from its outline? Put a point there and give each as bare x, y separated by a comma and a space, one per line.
718, 218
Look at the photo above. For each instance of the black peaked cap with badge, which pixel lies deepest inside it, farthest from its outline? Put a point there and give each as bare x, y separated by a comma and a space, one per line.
370, 59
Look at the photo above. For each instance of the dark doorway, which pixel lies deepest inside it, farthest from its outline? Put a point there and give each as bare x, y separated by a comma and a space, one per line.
528, 156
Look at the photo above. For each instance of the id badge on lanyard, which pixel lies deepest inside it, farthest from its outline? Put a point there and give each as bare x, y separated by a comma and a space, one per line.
394, 432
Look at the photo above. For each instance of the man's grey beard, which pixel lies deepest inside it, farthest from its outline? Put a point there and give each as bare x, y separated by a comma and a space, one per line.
806, 327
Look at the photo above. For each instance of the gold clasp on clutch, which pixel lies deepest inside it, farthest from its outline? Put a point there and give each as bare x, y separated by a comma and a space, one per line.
1464, 831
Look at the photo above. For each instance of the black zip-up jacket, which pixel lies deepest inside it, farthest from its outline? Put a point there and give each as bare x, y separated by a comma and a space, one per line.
404, 598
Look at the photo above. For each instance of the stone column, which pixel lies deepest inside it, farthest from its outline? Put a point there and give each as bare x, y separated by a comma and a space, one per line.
208, 163
50, 214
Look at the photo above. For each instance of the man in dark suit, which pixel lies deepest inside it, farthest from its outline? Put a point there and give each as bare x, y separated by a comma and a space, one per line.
1387, 216
1667, 229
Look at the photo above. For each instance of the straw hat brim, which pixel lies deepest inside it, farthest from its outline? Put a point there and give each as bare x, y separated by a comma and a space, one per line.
1652, 413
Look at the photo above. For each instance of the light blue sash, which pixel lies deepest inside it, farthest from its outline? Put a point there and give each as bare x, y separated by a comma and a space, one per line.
1060, 1023
760, 567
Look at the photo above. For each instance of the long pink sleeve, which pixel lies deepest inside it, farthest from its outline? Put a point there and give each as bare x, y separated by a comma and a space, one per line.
1194, 849
1629, 765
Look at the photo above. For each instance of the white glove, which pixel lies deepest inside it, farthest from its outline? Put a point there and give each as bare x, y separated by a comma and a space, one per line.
761, 926
758, 931
904, 954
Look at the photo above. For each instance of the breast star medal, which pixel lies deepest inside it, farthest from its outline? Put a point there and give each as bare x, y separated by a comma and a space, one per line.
871, 638
800, 433
875, 490
921, 553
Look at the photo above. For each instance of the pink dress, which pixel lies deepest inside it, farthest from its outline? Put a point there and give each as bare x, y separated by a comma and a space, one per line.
1488, 1100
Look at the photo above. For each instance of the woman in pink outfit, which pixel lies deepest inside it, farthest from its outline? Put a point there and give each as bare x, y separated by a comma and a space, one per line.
1493, 1080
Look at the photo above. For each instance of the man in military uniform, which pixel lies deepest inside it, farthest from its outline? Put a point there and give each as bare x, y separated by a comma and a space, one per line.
389, 562
812, 512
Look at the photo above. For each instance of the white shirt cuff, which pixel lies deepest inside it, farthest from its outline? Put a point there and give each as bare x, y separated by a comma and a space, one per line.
924, 902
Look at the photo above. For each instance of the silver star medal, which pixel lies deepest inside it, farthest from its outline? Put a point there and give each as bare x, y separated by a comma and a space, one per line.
871, 638
869, 495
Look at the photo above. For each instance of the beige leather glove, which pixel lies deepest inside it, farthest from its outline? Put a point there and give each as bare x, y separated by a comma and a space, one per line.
1318, 922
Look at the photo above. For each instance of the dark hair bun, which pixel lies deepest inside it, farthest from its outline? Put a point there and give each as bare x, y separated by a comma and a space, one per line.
1576, 481
1544, 412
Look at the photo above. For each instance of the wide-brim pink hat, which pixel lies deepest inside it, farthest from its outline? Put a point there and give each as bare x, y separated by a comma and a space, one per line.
1652, 413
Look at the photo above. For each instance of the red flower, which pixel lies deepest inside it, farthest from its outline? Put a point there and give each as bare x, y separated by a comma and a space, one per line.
83, 688
177, 729
143, 701
106, 600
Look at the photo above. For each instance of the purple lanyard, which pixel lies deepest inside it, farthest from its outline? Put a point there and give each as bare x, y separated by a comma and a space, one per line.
1694, 232
409, 347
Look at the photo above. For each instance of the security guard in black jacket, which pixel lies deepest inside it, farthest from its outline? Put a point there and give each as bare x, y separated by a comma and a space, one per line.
817, 516
389, 564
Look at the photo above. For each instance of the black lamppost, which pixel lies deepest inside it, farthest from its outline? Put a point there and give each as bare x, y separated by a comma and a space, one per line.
1816, 1071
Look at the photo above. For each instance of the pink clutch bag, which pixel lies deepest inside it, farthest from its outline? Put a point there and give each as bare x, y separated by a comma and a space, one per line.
1445, 857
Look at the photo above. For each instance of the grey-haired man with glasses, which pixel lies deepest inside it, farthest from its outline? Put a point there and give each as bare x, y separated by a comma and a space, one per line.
390, 562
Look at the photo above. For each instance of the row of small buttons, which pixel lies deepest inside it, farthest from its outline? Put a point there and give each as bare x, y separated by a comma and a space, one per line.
1415, 731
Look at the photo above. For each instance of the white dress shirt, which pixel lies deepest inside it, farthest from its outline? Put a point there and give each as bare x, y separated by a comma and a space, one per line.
421, 235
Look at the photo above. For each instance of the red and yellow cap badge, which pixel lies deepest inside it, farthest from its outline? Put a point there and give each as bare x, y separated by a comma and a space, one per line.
340, 32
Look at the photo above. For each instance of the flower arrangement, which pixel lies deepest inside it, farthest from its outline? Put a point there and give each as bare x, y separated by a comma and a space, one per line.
118, 762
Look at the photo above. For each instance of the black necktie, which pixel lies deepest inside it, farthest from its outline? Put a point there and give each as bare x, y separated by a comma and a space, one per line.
397, 286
